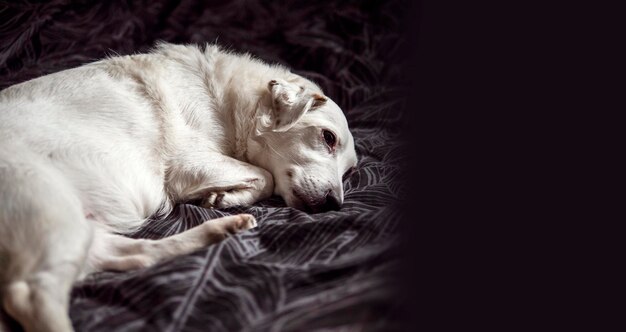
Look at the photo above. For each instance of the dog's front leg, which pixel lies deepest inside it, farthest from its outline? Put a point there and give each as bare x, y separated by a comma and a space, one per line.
219, 181
250, 184
120, 253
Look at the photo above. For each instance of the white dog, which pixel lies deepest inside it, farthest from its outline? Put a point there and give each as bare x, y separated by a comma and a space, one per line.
92, 152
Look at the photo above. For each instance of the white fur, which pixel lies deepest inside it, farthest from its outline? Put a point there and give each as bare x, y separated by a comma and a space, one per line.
93, 151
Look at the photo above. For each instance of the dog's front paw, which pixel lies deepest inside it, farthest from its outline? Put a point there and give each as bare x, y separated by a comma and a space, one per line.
247, 221
230, 225
213, 200
243, 194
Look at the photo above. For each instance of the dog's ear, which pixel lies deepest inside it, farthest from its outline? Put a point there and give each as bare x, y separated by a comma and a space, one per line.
289, 103
318, 100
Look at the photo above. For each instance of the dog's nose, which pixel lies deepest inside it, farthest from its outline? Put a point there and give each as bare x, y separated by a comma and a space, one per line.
331, 202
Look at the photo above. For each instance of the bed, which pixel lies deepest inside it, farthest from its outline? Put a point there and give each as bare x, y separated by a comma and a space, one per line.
295, 271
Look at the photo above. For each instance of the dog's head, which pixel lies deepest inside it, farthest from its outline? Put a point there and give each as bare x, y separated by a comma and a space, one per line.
304, 141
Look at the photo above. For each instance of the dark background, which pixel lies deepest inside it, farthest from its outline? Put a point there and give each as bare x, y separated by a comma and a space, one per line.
353, 49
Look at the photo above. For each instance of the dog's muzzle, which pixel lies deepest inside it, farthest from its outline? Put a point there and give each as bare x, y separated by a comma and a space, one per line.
330, 202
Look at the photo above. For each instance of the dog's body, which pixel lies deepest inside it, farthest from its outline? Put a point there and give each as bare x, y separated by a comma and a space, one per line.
93, 151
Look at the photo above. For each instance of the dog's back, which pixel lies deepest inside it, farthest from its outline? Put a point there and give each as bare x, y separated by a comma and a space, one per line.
74, 121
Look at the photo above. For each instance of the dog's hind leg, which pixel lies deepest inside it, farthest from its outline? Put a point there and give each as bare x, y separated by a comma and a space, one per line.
120, 253
44, 239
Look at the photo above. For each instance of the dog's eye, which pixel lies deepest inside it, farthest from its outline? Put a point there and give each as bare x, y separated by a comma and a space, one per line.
330, 138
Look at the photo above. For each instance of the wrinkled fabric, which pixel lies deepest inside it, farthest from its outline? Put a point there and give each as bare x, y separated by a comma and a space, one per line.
295, 271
